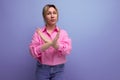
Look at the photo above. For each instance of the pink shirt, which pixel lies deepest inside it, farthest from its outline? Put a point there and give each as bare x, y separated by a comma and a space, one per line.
51, 56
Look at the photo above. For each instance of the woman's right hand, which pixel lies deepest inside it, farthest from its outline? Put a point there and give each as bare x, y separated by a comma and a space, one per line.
46, 40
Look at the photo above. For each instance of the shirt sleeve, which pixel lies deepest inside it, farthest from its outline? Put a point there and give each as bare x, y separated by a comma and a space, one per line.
65, 44
35, 46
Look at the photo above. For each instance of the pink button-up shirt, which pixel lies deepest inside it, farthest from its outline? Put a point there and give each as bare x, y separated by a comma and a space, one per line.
51, 56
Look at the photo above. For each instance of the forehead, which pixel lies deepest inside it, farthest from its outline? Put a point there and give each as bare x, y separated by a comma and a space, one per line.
51, 9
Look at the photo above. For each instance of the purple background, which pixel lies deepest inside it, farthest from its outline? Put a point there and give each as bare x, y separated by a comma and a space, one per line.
93, 25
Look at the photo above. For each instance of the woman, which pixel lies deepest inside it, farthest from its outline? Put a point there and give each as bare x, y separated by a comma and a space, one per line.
50, 46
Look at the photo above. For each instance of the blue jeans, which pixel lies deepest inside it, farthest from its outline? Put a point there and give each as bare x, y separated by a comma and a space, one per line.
46, 72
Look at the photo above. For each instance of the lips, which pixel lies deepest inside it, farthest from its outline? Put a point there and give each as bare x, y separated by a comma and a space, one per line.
53, 20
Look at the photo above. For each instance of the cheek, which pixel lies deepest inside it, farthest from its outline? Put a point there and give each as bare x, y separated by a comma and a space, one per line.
47, 18
56, 17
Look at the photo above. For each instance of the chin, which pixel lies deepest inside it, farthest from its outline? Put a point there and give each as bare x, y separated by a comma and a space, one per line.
53, 23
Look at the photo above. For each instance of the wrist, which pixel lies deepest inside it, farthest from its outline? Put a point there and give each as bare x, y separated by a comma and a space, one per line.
50, 43
55, 46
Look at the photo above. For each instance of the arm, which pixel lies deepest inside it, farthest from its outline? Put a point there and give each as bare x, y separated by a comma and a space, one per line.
35, 46
48, 42
38, 46
64, 44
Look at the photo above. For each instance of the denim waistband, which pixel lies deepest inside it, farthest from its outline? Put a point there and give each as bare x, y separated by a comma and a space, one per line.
47, 66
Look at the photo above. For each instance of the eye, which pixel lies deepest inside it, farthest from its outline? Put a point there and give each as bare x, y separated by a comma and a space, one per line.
54, 12
48, 13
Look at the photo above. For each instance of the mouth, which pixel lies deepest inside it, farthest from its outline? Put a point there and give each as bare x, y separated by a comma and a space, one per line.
52, 20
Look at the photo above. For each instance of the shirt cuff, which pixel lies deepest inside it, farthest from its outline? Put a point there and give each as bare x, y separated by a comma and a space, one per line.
60, 48
38, 51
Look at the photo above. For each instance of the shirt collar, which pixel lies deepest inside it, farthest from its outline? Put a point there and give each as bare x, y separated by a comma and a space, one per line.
44, 29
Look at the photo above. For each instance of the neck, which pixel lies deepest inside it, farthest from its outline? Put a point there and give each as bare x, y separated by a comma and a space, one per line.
50, 28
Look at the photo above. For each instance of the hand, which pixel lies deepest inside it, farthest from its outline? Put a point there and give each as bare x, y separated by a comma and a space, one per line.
54, 42
46, 40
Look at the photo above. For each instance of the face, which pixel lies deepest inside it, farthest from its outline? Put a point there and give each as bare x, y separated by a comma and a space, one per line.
51, 16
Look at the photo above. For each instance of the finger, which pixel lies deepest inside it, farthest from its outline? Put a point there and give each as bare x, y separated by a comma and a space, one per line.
41, 34
58, 32
44, 38
38, 29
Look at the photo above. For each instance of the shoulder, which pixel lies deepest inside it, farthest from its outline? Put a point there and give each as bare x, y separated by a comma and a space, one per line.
63, 31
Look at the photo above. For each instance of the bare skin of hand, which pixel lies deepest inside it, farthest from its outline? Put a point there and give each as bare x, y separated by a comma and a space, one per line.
54, 42
46, 40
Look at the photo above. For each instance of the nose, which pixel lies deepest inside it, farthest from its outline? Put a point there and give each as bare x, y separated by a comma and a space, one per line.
52, 15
